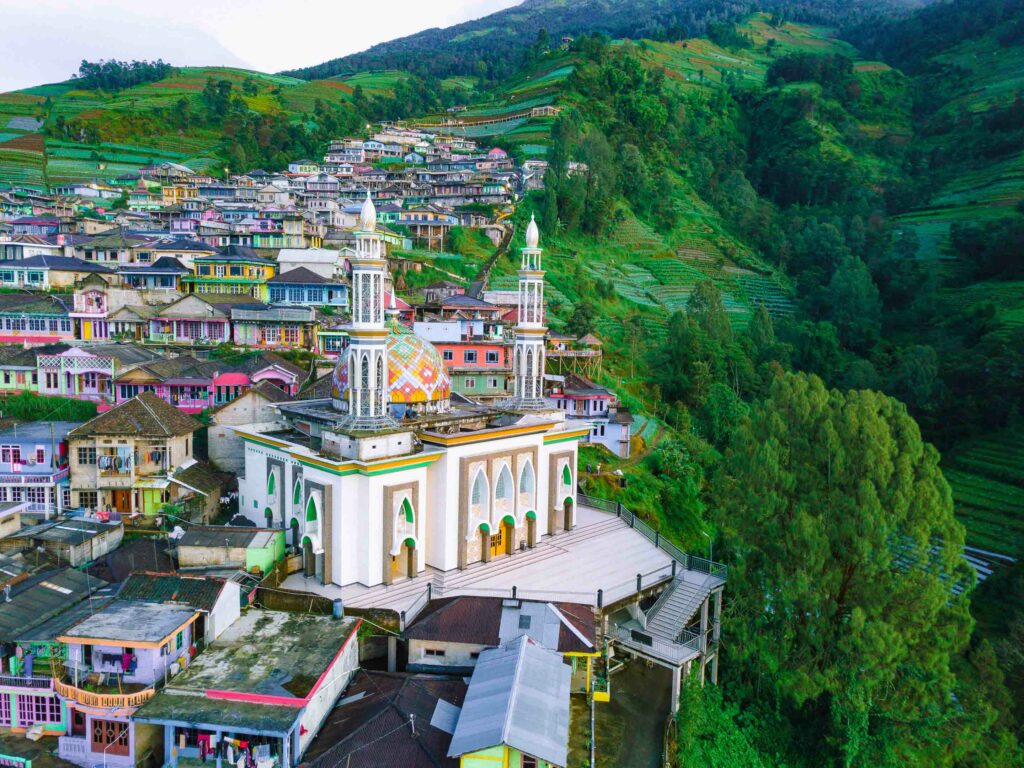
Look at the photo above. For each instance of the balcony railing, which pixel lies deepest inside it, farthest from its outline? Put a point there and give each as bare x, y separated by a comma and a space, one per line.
37, 682
104, 700
161, 338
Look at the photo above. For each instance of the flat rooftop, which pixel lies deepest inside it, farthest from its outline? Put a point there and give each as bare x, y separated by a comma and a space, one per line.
268, 652
602, 552
125, 622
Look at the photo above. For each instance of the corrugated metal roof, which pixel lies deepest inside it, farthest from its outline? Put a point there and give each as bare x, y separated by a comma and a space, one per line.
518, 696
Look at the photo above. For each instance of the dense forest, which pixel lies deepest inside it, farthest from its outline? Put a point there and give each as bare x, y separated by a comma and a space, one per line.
789, 433
113, 75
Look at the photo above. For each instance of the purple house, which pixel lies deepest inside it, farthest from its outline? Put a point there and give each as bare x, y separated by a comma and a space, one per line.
116, 659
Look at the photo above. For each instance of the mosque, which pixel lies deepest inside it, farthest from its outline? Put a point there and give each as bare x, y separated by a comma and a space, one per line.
391, 475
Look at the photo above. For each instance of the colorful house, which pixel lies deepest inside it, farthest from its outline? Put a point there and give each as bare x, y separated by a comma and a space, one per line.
183, 381
164, 274
305, 287
34, 466
48, 273
580, 398
124, 459
192, 320
236, 270
115, 659
86, 372
273, 326
35, 319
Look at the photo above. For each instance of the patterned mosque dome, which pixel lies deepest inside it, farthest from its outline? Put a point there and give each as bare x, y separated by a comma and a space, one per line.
416, 371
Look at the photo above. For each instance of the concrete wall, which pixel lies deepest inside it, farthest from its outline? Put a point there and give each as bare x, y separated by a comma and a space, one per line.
334, 682
457, 655
192, 557
225, 611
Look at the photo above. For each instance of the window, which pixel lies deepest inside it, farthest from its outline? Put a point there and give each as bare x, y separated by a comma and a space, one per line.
470, 383
291, 335
40, 454
37, 494
37, 323
35, 377
524, 622
7, 377
469, 356
179, 640
110, 737
219, 270
271, 335
10, 454
277, 295
35, 277
492, 383
52, 381
448, 354
5, 710
491, 357
65, 325
434, 652
87, 455
38, 709
529, 762
87, 499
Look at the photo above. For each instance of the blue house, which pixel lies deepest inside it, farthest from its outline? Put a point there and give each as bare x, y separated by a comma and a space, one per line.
304, 286
34, 466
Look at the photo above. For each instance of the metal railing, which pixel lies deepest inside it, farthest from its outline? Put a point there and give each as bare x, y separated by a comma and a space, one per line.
676, 652
38, 682
104, 700
688, 562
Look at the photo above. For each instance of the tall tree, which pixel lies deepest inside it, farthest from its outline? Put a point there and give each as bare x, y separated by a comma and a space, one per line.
843, 550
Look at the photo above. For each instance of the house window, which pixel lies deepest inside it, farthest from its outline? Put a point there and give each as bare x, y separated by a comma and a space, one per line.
219, 270
448, 354
10, 454
492, 383
469, 356
40, 454
491, 357
7, 377
52, 381
65, 325
38, 709
434, 653
37, 323
5, 710
470, 383
109, 737
529, 762
87, 499
37, 494
524, 622
291, 335
87, 455
277, 295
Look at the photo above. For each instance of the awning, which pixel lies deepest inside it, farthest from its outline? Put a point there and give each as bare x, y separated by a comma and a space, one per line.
151, 483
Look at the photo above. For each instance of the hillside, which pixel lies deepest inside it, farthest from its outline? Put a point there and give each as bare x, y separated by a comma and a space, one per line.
59, 133
493, 46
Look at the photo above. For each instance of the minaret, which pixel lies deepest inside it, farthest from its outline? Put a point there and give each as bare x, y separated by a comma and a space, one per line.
528, 357
368, 391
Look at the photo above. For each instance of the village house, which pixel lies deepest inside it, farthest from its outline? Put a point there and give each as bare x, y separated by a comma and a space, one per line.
34, 466
217, 600
87, 372
305, 287
115, 659
33, 319
125, 460
254, 550
254, 407
262, 690
72, 541
48, 273
582, 399
281, 326
236, 270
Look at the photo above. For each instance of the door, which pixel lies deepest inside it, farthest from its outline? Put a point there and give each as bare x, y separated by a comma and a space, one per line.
123, 502
498, 542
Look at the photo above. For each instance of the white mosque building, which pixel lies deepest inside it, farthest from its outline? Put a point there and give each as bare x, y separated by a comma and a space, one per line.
389, 477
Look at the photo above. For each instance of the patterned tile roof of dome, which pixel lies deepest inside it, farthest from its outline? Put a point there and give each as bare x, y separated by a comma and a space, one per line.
416, 372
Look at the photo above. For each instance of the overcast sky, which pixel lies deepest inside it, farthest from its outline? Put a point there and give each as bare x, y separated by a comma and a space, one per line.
43, 41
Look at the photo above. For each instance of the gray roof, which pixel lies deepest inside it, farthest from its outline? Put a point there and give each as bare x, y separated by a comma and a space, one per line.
39, 430
219, 536
72, 531
128, 621
518, 696
48, 599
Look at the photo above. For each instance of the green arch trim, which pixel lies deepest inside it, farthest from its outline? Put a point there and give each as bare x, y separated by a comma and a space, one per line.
297, 493
310, 510
566, 475
271, 483
305, 540
407, 511
509, 520
294, 523
485, 527
567, 500
268, 513
531, 515
410, 543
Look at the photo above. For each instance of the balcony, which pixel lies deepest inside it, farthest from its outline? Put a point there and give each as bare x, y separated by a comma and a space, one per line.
34, 682
102, 700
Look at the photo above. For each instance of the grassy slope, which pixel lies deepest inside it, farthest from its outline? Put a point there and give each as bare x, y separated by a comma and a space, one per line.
25, 158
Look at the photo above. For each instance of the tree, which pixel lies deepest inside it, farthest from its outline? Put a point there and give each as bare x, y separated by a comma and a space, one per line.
843, 549
853, 305
581, 322
706, 306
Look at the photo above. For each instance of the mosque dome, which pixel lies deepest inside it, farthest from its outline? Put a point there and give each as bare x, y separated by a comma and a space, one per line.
368, 215
532, 234
416, 373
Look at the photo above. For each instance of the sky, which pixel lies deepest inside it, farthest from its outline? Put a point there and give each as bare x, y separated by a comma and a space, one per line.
44, 40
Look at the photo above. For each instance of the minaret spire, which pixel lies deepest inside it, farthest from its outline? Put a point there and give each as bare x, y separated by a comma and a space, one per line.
367, 360
528, 355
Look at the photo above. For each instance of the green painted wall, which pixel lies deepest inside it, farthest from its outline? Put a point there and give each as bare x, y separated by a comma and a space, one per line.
265, 558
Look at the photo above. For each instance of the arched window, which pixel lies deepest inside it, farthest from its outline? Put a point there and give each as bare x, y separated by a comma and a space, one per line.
503, 488
382, 385
566, 475
311, 510
407, 511
297, 493
526, 478
479, 489
271, 482
364, 377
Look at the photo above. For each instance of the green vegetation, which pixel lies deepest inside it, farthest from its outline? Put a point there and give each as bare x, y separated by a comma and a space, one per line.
28, 406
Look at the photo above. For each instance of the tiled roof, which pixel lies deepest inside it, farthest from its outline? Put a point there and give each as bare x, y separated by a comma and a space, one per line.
194, 591
63, 263
143, 416
459, 620
202, 477
301, 275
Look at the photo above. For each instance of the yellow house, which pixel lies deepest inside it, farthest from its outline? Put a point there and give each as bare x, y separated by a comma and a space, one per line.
516, 711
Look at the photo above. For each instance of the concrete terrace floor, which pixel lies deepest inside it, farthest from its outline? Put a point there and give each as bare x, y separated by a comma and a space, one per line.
601, 552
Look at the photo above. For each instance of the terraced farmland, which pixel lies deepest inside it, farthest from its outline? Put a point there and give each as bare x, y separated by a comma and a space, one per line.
987, 477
